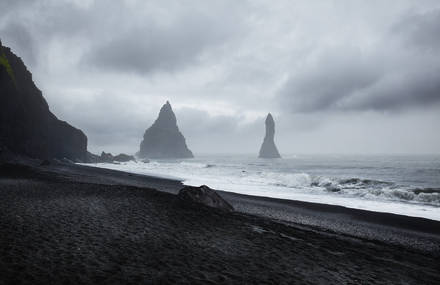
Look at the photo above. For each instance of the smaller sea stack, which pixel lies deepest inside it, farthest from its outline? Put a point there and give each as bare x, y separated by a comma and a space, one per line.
268, 148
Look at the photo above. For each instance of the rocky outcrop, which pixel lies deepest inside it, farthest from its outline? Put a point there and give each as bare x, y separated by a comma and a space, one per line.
27, 126
163, 139
122, 157
268, 148
109, 158
106, 157
191, 196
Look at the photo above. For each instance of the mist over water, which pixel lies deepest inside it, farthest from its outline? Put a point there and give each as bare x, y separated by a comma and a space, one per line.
407, 184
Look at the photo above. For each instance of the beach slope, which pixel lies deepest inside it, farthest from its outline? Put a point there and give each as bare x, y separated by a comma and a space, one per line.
73, 224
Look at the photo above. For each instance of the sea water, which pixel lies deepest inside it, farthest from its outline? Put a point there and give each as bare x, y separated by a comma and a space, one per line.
401, 184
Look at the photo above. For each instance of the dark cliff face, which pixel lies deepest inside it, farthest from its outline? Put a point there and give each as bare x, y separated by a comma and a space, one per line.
27, 127
163, 139
268, 148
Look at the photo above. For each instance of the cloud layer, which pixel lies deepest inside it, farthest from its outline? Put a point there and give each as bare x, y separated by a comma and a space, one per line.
108, 66
400, 70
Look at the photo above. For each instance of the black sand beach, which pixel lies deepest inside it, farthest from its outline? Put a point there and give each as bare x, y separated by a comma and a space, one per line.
71, 224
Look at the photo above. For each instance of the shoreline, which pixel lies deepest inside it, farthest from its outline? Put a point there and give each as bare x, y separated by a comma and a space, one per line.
412, 223
417, 210
85, 225
416, 232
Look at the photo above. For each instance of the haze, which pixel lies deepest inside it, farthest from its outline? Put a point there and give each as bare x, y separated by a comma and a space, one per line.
338, 76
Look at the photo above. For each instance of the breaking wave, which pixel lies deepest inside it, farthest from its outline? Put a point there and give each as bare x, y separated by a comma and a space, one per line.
263, 178
353, 187
196, 164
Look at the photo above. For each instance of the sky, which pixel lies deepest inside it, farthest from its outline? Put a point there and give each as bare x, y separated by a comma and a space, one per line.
345, 76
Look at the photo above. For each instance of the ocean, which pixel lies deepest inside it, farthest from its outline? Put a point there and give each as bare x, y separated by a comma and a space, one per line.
401, 184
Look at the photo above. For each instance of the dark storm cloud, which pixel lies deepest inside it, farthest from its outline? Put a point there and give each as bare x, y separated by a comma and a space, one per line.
412, 89
401, 72
336, 76
162, 47
47, 19
125, 36
29, 29
148, 49
64, 20
419, 30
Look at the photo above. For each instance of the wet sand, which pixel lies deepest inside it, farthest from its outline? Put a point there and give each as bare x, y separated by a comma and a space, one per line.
80, 225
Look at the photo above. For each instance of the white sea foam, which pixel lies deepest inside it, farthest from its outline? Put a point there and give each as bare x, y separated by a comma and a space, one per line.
281, 180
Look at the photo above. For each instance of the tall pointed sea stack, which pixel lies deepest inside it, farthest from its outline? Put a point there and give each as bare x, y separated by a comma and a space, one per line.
268, 148
163, 139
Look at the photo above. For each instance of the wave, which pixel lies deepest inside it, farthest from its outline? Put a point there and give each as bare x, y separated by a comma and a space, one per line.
374, 189
426, 190
254, 177
350, 187
197, 164
361, 182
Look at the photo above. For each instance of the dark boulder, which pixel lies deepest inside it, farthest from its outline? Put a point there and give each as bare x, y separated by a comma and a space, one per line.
27, 126
190, 195
163, 139
268, 148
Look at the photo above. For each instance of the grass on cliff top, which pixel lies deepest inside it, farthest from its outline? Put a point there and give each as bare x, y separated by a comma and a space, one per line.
4, 62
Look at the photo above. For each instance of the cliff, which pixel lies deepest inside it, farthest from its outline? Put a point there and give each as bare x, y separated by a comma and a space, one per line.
27, 126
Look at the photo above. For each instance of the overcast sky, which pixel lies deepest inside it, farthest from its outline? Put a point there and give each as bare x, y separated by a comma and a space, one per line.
342, 76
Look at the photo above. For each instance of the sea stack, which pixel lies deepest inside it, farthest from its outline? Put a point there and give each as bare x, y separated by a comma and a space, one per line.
27, 126
268, 148
163, 139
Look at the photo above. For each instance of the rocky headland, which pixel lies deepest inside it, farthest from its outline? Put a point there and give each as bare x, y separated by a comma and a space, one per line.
27, 126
